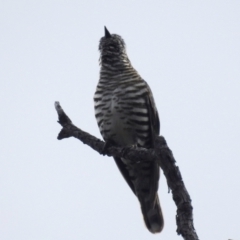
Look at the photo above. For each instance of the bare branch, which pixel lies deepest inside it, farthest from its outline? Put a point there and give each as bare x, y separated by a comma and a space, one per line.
161, 153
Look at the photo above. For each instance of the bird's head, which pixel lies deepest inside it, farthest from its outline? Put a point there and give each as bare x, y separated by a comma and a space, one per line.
111, 44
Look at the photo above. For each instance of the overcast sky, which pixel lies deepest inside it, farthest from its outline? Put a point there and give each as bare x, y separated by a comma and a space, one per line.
187, 51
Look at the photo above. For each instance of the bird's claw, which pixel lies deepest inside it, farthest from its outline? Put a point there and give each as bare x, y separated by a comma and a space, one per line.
107, 144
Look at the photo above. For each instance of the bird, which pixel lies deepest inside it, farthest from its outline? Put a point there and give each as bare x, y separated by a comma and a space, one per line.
127, 116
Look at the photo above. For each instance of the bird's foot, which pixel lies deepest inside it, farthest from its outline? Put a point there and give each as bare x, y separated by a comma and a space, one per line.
107, 144
125, 150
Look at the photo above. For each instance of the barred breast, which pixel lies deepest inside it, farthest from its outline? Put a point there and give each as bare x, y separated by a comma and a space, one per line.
121, 112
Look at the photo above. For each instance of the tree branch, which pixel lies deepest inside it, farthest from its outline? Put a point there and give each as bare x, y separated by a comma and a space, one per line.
161, 153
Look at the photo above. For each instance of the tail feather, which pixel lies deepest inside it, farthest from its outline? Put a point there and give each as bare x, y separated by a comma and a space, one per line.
152, 214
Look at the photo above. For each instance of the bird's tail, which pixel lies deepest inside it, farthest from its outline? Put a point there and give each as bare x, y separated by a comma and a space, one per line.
152, 214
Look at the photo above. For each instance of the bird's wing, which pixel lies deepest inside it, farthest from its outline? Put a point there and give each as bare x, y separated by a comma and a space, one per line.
153, 113
155, 130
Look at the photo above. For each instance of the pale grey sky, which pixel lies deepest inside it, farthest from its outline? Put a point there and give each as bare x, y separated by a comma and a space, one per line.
188, 52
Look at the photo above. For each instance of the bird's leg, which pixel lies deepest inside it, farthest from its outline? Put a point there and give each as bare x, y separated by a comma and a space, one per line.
126, 149
107, 144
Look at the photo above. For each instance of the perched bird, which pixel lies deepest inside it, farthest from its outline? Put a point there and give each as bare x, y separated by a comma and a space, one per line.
127, 116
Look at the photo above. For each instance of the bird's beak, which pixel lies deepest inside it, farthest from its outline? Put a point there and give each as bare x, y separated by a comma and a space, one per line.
107, 33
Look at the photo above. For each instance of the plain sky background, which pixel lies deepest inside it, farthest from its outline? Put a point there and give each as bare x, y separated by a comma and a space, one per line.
188, 52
